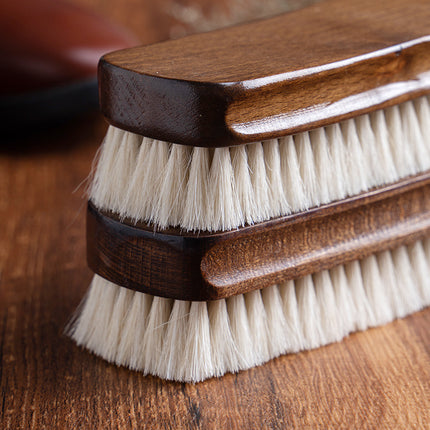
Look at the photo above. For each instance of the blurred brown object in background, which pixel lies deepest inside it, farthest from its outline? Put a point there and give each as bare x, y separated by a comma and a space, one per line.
49, 50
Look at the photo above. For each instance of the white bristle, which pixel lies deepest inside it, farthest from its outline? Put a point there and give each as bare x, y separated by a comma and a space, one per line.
197, 359
259, 182
126, 159
135, 194
278, 202
200, 189
169, 203
321, 150
354, 159
421, 269
120, 310
339, 181
363, 316
382, 144
224, 349
377, 291
153, 338
197, 192
133, 331
244, 190
294, 332
414, 133
367, 138
257, 319
103, 185
407, 282
226, 211
97, 317
331, 321
309, 313
396, 289
155, 174
176, 332
291, 177
402, 155
422, 109
241, 332
307, 168
276, 323
344, 301
84, 322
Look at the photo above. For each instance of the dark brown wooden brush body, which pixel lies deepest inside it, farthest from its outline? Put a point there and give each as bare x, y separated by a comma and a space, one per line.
210, 266
294, 72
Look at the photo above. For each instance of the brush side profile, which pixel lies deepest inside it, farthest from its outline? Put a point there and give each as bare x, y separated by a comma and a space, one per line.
293, 206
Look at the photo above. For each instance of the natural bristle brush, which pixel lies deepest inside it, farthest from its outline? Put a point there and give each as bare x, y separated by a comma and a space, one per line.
293, 207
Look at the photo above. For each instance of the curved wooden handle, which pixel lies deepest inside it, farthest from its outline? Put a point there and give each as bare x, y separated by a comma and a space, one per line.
295, 72
209, 266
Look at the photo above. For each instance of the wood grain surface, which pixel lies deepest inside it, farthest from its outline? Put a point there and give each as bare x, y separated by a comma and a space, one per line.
288, 74
378, 379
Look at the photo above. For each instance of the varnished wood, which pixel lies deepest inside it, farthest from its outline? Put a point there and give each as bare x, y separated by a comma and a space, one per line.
211, 266
295, 72
378, 379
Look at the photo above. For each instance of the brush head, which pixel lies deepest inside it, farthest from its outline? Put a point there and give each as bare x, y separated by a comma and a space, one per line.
271, 78
193, 341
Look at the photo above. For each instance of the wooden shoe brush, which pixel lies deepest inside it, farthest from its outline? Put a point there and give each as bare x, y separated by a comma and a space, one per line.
293, 207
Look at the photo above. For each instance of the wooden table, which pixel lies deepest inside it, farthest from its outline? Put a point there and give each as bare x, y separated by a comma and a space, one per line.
376, 379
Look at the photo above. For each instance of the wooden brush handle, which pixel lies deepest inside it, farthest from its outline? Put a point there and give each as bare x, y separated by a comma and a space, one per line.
208, 266
331, 61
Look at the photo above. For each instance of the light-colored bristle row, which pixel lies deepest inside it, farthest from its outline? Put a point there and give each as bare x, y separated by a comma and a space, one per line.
192, 341
224, 188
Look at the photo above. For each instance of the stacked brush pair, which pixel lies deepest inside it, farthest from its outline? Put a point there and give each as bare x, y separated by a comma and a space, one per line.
293, 207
